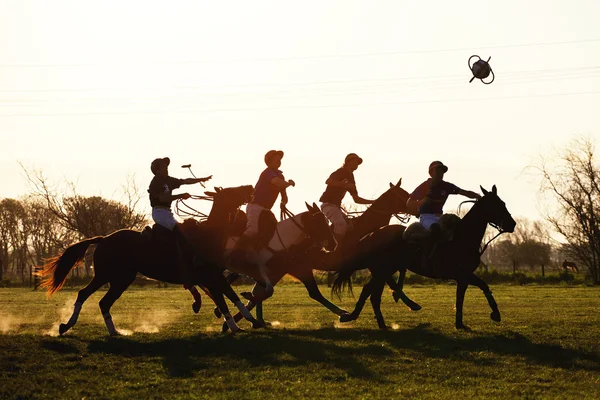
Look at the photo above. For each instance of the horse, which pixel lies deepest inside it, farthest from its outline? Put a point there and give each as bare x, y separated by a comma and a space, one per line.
387, 251
122, 254
303, 261
569, 266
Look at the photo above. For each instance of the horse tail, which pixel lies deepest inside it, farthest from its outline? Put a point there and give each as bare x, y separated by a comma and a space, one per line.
343, 277
57, 268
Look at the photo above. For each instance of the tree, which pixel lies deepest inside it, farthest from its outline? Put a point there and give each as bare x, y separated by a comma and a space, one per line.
87, 216
572, 180
528, 245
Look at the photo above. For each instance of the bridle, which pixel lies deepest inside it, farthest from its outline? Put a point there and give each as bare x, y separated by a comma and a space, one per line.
498, 227
285, 213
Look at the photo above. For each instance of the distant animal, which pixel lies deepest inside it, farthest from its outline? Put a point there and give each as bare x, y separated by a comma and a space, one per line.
570, 266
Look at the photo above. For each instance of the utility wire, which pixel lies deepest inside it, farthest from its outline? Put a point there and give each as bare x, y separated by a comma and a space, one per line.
331, 56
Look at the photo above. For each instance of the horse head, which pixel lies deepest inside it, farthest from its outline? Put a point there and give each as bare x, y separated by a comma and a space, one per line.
495, 210
393, 200
232, 198
317, 227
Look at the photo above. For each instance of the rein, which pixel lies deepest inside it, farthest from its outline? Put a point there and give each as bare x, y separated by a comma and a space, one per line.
285, 213
500, 231
184, 210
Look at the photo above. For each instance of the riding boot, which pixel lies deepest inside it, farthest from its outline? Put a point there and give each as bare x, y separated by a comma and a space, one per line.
434, 254
185, 255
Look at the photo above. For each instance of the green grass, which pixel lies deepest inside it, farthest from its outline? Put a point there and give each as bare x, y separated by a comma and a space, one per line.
547, 346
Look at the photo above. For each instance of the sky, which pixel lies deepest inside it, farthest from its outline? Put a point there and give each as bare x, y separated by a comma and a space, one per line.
92, 92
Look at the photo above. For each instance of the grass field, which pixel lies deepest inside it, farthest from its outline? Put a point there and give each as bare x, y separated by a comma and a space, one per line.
547, 346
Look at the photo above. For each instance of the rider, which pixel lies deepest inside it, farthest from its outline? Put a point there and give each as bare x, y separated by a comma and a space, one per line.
338, 183
430, 196
160, 190
270, 184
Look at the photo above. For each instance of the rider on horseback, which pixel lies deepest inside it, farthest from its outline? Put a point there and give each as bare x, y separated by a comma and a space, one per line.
430, 196
270, 184
160, 190
339, 183
429, 199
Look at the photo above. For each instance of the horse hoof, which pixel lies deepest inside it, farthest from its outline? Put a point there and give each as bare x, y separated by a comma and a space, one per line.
383, 327
462, 327
217, 312
396, 296
257, 324
247, 295
495, 316
224, 328
63, 328
414, 307
196, 307
347, 317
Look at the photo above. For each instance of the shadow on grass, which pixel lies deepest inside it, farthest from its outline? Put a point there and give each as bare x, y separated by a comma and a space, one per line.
469, 346
343, 349
182, 356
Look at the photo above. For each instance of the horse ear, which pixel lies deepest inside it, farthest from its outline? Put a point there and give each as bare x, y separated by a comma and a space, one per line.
399, 182
483, 190
316, 207
217, 189
391, 185
494, 190
212, 194
307, 206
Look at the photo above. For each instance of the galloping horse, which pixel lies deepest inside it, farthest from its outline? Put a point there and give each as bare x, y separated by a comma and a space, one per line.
121, 255
390, 252
301, 264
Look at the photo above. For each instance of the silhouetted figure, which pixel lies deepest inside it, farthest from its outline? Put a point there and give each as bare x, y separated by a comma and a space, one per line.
340, 182
161, 197
270, 184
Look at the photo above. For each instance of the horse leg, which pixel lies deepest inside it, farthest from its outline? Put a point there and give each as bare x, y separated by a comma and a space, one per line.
82, 296
461, 288
364, 295
197, 298
476, 281
313, 291
376, 292
251, 304
398, 293
232, 295
219, 300
117, 287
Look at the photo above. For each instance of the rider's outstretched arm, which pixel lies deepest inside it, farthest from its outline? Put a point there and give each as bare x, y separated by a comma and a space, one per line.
469, 194
191, 181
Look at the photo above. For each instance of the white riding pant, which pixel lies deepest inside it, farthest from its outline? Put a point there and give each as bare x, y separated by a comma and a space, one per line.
336, 216
253, 212
164, 217
427, 220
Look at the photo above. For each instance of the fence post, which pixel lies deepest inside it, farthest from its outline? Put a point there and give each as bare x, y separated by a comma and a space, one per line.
543, 270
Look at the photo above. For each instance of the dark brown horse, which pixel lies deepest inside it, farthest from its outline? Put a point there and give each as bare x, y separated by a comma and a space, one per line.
121, 255
387, 251
301, 263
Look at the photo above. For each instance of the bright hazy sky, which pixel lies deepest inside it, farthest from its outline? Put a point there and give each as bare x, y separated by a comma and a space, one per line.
93, 91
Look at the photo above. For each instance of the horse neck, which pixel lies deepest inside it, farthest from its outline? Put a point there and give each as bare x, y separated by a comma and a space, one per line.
291, 229
473, 226
219, 215
375, 216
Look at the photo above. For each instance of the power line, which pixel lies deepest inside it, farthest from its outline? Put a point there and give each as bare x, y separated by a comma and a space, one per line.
292, 58
300, 106
417, 79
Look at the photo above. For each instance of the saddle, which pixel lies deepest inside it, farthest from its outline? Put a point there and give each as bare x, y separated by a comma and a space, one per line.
433, 241
448, 224
158, 233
